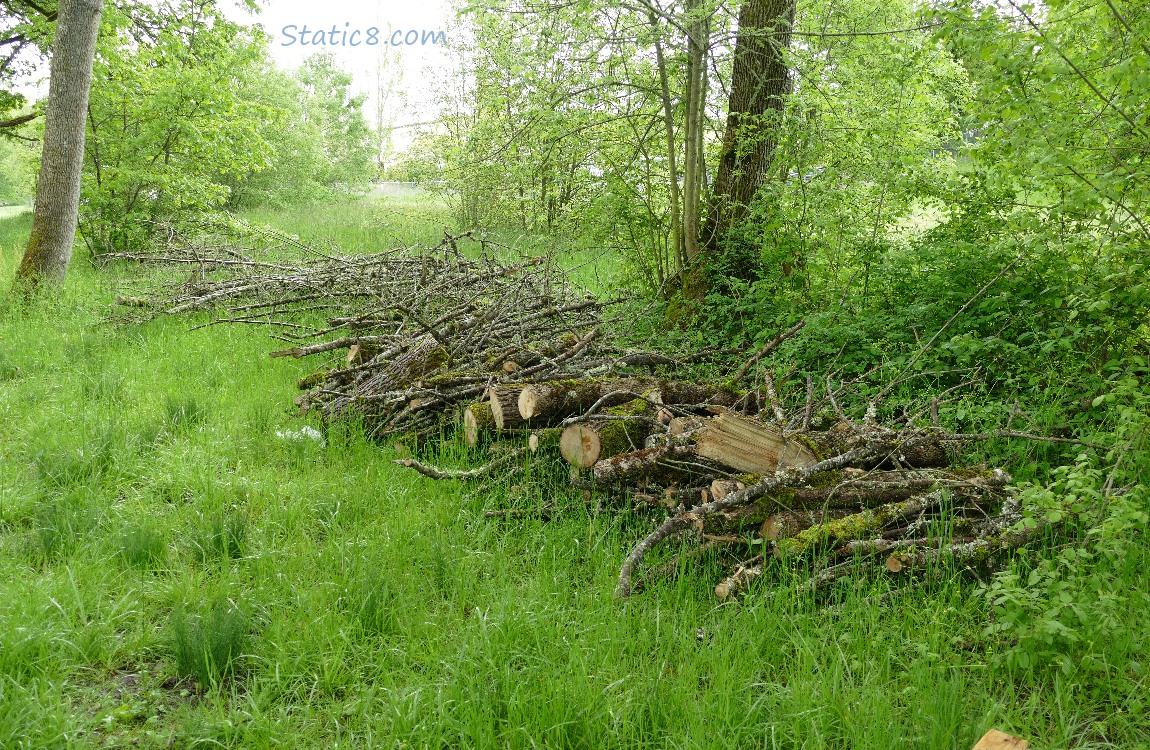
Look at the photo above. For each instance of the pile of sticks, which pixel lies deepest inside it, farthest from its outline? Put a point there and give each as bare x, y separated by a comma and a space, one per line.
406, 336
513, 358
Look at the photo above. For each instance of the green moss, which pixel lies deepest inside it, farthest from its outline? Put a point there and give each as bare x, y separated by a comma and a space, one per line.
825, 480
311, 381
810, 444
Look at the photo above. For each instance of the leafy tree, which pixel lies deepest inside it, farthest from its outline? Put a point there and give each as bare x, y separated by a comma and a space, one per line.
321, 145
337, 116
26, 30
170, 121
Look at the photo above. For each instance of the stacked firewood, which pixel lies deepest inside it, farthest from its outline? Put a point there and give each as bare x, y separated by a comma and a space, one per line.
733, 477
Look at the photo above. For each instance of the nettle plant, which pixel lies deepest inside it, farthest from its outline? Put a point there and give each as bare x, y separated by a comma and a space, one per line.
1072, 610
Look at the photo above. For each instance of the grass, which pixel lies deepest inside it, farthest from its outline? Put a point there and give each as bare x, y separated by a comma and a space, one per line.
174, 574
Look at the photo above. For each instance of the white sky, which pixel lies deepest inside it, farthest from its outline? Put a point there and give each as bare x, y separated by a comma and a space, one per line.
417, 64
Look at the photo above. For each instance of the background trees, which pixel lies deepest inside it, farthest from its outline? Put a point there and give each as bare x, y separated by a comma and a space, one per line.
187, 114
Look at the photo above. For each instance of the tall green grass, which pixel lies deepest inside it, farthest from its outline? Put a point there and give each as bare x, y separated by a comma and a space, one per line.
174, 574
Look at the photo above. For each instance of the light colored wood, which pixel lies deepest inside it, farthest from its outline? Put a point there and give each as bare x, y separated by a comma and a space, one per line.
748, 445
505, 406
580, 445
996, 740
720, 488
584, 443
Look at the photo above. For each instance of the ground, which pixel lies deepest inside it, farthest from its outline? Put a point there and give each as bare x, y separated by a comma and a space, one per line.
159, 499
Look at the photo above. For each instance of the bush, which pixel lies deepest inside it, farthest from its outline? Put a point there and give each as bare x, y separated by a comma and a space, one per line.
1078, 610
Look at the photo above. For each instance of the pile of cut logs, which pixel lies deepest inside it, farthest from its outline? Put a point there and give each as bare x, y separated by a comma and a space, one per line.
417, 342
732, 477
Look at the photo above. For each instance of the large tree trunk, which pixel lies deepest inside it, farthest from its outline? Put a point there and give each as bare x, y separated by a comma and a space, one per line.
55, 217
760, 82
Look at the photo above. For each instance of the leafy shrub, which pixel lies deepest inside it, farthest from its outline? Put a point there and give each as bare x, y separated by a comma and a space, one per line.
1073, 610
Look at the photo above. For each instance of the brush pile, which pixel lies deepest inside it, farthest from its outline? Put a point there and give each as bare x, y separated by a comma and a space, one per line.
513, 358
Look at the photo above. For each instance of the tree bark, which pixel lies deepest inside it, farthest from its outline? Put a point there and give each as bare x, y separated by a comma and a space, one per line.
56, 214
760, 82
698, 40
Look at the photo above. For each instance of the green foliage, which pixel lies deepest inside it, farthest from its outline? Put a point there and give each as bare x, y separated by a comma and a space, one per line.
1074, 610
16, 177
143, 546
321, 149
479, 632
167, 121
188, 114
211, 646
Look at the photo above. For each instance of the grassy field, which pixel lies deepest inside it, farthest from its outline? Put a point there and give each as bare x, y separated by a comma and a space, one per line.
180, 566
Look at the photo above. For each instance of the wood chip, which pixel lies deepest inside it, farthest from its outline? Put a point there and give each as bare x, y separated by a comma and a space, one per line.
996, 740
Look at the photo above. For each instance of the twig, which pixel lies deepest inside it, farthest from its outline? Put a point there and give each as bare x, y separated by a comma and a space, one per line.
770, 347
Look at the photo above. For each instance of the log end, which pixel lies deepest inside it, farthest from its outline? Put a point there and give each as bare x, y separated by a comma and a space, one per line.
580, 446
528, 399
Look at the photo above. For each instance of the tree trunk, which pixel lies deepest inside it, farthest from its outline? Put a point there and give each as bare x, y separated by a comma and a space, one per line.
505, 406
56, 215
672, 146
760, 82
698, 40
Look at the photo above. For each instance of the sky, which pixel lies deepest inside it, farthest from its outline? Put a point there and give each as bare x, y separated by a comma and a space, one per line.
411, 66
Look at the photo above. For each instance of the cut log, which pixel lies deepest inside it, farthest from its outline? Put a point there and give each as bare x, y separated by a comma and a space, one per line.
543, 403
750, 446
787, 523
835, 534
924, 454
505, 406
720, 488
585, 443
549, 402
422, 358
687, 393
477, 419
